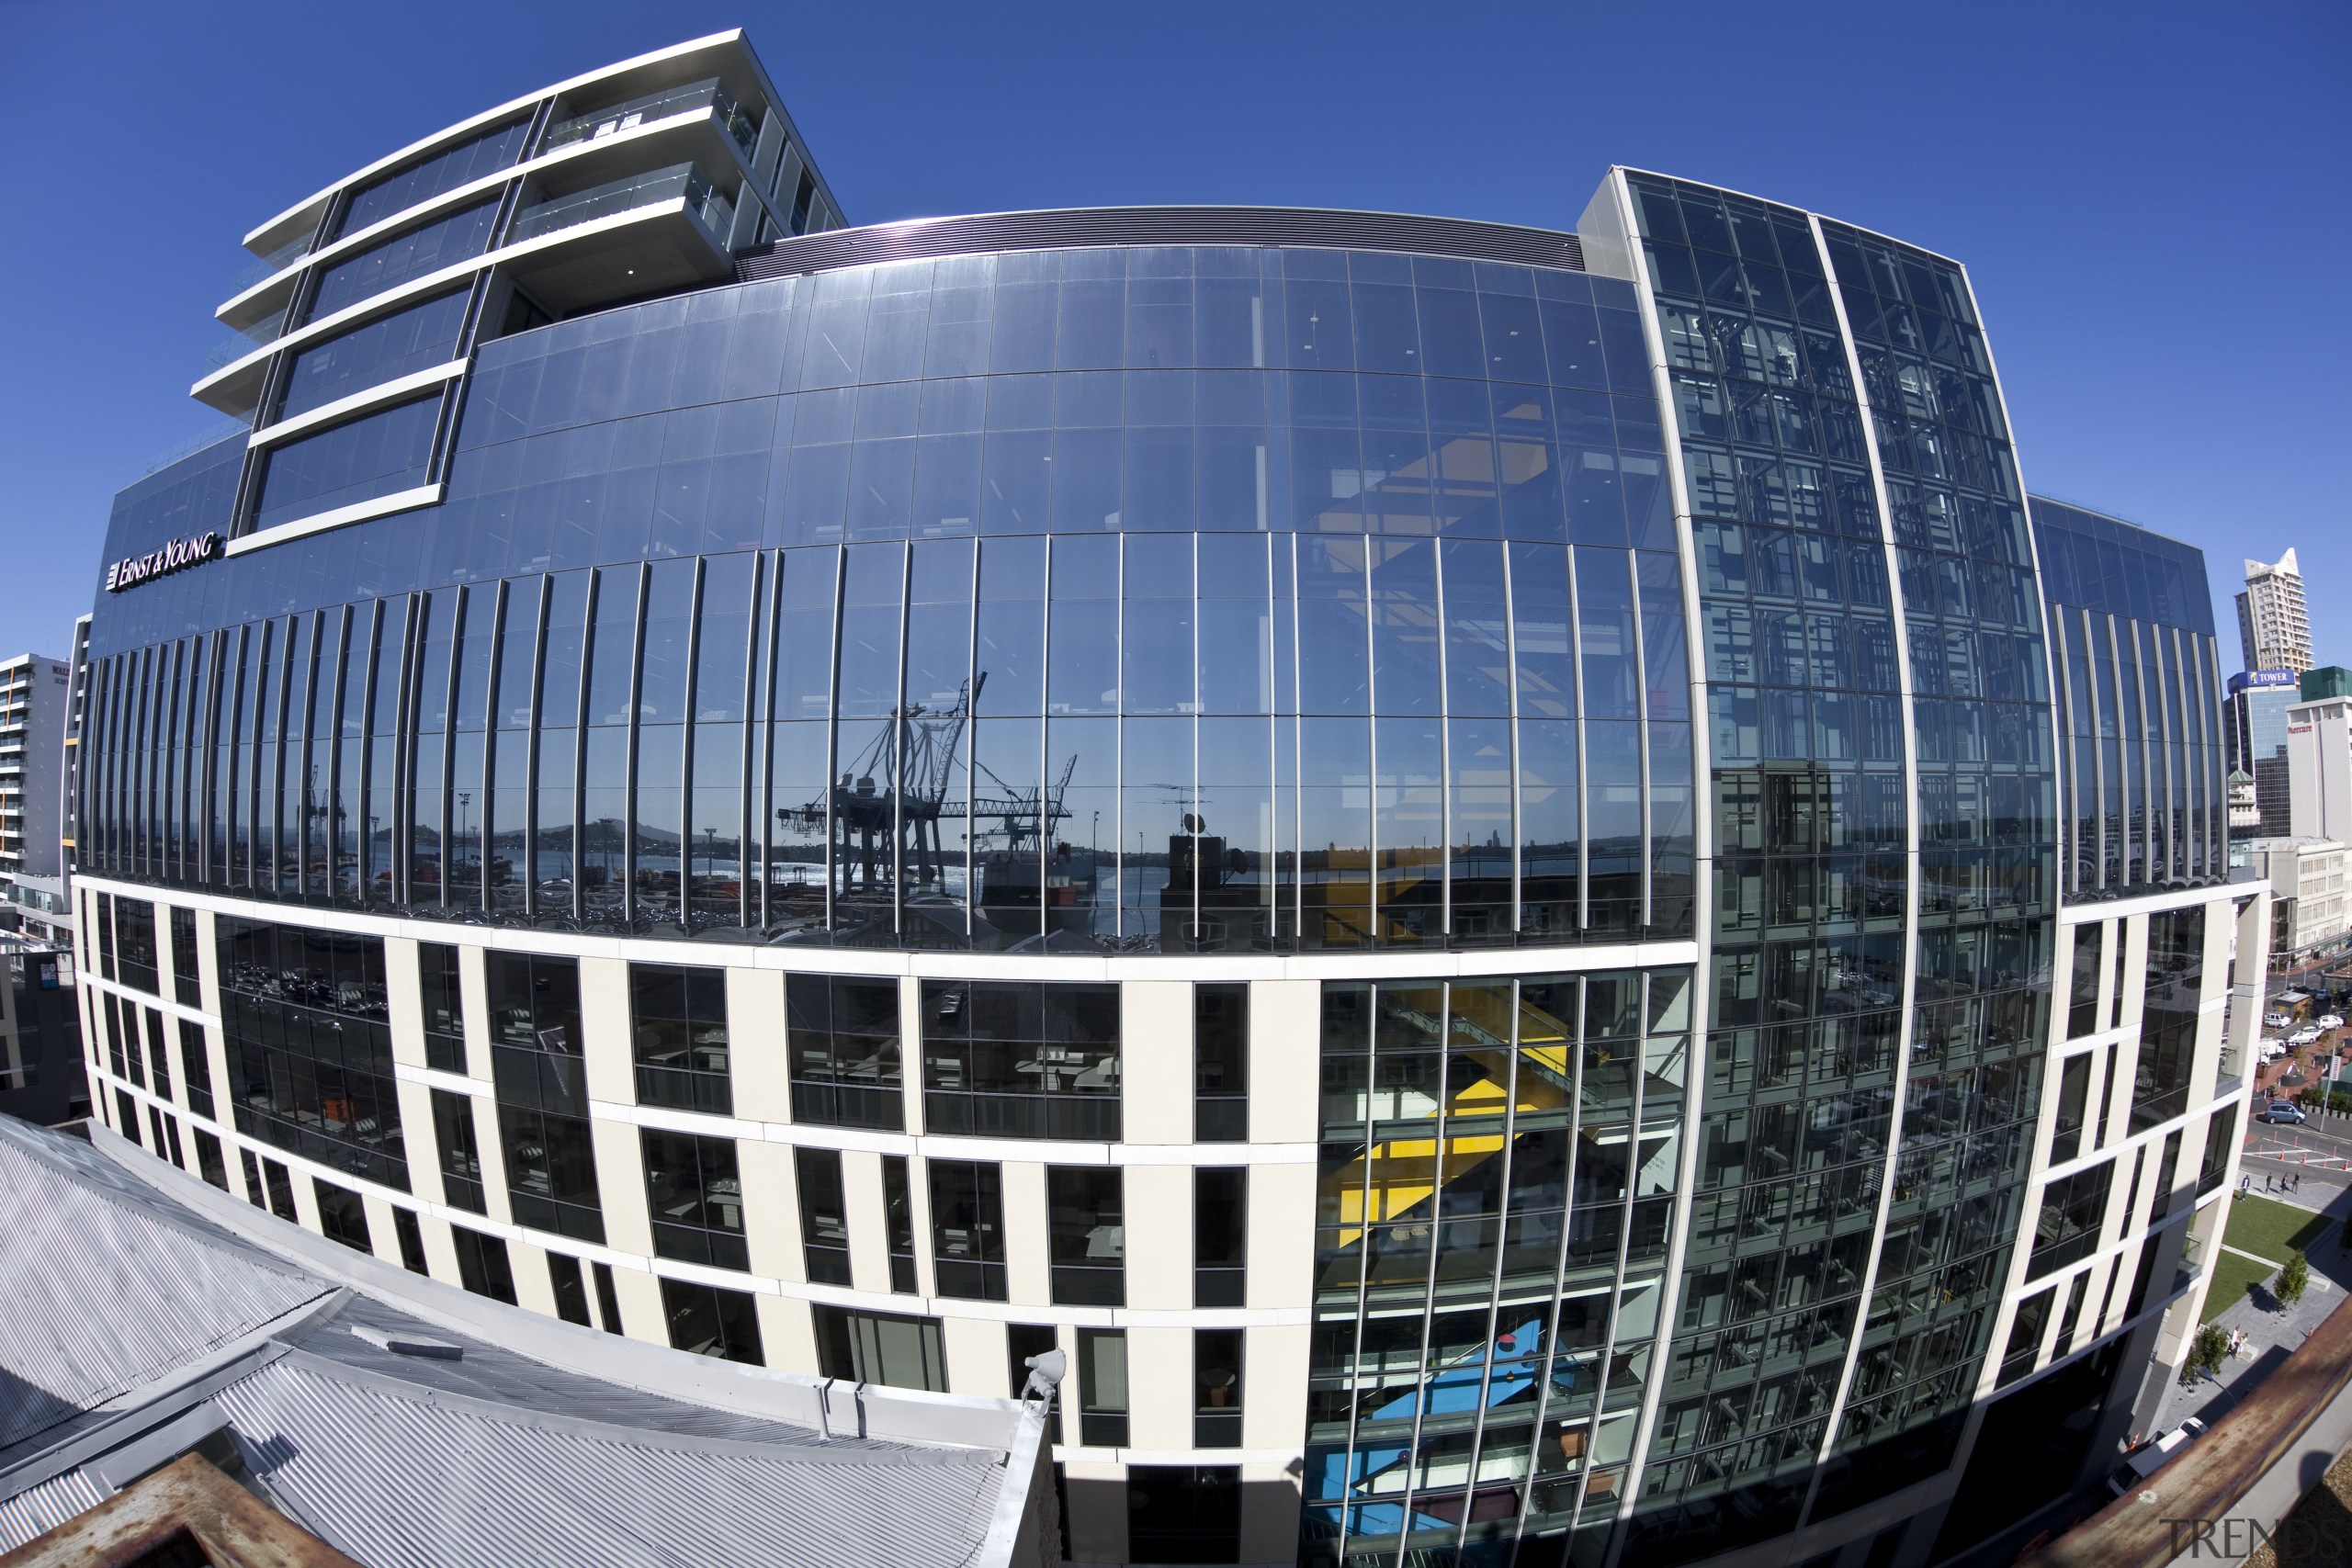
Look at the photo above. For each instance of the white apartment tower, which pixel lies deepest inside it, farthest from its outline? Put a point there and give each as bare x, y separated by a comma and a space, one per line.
33, 729
2272, 622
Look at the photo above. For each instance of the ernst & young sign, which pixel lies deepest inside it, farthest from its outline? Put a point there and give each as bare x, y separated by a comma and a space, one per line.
174, 557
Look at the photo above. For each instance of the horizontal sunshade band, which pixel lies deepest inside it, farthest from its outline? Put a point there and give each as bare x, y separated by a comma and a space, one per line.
1160, 226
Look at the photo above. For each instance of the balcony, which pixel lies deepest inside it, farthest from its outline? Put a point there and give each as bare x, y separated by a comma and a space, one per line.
664, 104
674, 235
677, 183
272, 263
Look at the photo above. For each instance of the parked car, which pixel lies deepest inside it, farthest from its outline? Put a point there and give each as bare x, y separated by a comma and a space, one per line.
2150, 1456
2276, 1021
2330, 1020
2282, 1110
2303, 1036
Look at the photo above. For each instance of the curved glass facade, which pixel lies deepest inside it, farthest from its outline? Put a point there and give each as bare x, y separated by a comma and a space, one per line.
1146, 598
890, 812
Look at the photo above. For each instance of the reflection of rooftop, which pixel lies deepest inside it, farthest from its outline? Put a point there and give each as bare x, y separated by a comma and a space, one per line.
404, 1421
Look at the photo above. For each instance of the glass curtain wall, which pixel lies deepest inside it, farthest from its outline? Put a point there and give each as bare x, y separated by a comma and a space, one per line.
1843, 443
1498, 1169
1145, 600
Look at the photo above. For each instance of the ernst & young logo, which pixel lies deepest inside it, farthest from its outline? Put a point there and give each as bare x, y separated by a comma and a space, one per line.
174, 557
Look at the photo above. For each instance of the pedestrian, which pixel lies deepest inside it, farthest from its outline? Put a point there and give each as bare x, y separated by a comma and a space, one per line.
2298, 1181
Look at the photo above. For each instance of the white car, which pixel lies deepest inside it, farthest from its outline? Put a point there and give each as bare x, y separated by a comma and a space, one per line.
2330, 1020
2303, 1036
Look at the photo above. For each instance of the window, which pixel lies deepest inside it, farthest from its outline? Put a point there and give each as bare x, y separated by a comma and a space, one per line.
482, 1267
570, 1291
158, 1056
342, 1216
551, 1172
1102, 1387
110, 1014
444, 1008
608, 1298
196, 1066
2174, 978
880, 1346
1221, 1063
824, 1223
2221, 1140
899, 1223
306, 1025
168, 1128
134, 944
1087, 1230
2072, 1209
2074, 1093
427, 248
1183, 1512
411, 1236
696, 1193
679, 1017
843, 1038
2167, 1169
453, 1126
375, 455
2073, 1318
252, 1167
281, 1182
967, 1229
2025, 1336
1220, 1235
543, 1094
707, 1321
186, 982
1023, 1343
209, 1163
469, 159
389, 347
1004, 1059
1216, 1388
2082, 994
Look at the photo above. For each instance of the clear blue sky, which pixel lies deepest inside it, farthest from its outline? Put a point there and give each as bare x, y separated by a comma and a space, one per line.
2153, 199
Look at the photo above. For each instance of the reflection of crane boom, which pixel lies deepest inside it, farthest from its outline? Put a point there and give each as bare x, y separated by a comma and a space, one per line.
1021, 815
869, 808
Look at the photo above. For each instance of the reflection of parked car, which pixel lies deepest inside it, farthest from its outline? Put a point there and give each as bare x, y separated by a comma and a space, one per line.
2149, 1458
2282, 1110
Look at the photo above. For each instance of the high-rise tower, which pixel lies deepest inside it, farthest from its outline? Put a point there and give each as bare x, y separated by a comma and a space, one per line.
2272, 623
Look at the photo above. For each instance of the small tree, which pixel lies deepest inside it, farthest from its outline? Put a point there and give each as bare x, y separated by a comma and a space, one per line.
2293, 1277
2206, 1354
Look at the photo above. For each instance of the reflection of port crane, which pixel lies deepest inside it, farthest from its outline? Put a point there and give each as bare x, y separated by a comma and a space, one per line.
1021, 815
867, 806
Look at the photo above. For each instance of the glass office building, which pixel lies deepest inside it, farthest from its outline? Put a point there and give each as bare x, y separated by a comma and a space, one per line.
1440, 849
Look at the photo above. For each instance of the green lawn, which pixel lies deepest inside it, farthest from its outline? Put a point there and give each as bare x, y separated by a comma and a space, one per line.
2232, 1276
2269, 1228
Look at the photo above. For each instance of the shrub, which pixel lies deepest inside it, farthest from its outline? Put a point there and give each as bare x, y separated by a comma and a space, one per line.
2293, 1277
2206, 1353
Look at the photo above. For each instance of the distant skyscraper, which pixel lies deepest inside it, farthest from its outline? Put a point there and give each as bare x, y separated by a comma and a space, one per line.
2271, 620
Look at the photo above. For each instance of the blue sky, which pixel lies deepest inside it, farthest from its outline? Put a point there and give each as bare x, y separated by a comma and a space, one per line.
2153, 199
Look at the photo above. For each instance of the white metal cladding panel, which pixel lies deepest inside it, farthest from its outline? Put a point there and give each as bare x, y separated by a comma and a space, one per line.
37, 1510
108, 1293
356, 1455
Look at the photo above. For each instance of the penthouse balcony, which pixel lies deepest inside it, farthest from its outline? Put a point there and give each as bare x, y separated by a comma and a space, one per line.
574, 248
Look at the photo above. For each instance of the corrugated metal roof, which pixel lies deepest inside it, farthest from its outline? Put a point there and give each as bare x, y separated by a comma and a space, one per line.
109, 1286
356, 1455
128, 1293
37, 1510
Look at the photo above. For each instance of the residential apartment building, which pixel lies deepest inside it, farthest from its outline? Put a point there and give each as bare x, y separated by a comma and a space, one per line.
1446, 853
2274, 626
33, 693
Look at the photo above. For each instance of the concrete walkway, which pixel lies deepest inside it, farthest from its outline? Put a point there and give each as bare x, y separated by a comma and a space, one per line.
2272, 1328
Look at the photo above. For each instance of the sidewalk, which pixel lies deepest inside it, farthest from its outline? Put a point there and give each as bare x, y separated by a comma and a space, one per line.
2272, 1328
